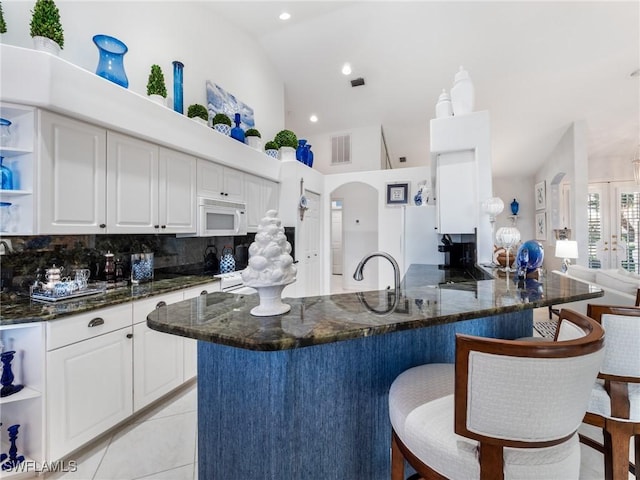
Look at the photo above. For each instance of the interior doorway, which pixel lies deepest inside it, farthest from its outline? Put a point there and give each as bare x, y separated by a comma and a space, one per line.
336, 237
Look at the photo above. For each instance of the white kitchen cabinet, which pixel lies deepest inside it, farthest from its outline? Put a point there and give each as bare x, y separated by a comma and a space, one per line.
261, 196
88, 390
456, 192
26, 407
190, 345
177, 192
158, 358
220, 182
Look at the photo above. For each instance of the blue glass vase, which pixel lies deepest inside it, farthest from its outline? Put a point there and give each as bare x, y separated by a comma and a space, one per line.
300, 151
529, 257
237, 132
111, 62
6, 182
515, 206
309, 161
178, 103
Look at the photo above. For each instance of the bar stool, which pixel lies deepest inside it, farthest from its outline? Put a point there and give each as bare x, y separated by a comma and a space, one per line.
482, 419
615, 399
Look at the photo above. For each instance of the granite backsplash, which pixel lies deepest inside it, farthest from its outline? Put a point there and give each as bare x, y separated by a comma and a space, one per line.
30, 256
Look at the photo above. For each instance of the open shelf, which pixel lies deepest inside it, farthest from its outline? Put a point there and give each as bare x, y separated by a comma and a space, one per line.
27, 469
23, 394
14, 193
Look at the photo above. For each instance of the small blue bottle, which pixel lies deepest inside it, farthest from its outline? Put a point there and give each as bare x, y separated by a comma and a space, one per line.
515, 206
6, 182
300, 151
237, 132
309, 161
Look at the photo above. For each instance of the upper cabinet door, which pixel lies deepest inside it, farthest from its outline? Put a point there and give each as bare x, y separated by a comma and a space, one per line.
233, 185
177, 185
71, 176
210, 183
132, 185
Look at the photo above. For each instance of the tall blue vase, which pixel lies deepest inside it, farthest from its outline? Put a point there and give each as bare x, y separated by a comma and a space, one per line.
178, 104
309, 161
237, 132
111, 62
300, 151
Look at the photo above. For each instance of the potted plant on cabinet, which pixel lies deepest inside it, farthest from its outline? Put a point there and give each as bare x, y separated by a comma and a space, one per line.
287, 143
253, 138
271, 149
156, 88
222, 123
198, 113
3, 24
46, 29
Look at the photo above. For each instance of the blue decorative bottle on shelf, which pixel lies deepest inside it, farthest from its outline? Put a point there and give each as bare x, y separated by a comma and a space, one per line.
515, 206
237, 132
178, 104
300, 151
6, 182
111, 62
309, 159
8, 388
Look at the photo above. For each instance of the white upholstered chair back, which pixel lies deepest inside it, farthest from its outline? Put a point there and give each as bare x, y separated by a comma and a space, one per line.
622, 345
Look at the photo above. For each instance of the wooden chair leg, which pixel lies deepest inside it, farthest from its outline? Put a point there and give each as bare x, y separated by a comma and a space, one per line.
491, 462
397, 460
620, 436
635, 469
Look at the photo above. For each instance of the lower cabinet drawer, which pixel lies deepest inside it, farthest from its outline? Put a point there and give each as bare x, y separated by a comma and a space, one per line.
83, 326
89, 390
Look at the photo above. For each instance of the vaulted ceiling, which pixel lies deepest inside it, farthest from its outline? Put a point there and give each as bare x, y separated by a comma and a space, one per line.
536, 66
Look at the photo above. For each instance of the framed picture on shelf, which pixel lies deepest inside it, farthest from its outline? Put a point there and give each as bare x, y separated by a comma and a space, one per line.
398, 193
541, 195
541, 226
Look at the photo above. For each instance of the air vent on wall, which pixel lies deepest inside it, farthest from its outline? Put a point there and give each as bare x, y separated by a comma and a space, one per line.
357, 82
340, 149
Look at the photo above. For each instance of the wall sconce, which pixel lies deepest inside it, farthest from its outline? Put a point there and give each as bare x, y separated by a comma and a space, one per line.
566, 249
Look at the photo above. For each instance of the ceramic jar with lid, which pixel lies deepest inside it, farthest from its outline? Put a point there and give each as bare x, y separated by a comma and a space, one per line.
462, 93
443, 107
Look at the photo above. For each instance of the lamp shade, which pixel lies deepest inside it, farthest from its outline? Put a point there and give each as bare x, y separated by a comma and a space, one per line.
567, 249
507, 237
493, 206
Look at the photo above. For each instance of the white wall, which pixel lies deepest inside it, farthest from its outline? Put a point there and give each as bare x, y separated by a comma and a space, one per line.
568, 157
365, 150
161, 32
520, 188
611, 169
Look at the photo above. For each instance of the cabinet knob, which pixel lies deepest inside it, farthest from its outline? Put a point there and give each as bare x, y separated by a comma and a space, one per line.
129, 335
161, 304
222, 193
96, 322
204, 292
103, 225
163, 226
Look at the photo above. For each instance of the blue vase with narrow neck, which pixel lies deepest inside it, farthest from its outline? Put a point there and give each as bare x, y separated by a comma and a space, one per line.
111, 62
178, 104
515, 206
309, 161
300, 151
237, 132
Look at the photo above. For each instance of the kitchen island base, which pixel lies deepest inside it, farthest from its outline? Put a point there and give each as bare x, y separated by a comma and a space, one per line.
318, 412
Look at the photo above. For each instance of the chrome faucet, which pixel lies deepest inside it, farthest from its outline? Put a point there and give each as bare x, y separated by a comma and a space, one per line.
357, 275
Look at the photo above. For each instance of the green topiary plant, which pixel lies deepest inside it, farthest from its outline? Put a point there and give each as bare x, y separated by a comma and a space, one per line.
286, 138
45, 21
3, 25
197, 110
252, 132
155, 85
271, 145
221, 118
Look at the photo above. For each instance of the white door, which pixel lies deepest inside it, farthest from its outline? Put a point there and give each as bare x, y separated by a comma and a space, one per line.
614, 225
255, 201
177, 192
336, 240
132, 185
311, 241
233, 185
71, 177
88, 390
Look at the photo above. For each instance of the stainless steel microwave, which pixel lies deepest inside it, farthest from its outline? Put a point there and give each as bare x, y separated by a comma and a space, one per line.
221, 218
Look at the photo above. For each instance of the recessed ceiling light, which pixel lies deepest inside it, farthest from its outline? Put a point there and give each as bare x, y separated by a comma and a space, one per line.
346, 69
285, 16
313, 118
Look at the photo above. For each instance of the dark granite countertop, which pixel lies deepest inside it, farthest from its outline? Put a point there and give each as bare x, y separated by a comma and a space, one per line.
21, 309
426, 298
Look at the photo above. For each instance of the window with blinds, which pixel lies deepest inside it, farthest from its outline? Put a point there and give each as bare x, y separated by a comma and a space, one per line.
594, 218
629, 224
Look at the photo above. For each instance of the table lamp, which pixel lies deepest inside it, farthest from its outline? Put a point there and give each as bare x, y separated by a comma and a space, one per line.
566, 249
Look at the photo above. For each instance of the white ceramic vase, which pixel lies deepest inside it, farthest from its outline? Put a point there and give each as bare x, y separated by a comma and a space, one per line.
45, 44
222, 128
462, 93
158, 99
287, 154
254, 142
272, 153
270, 301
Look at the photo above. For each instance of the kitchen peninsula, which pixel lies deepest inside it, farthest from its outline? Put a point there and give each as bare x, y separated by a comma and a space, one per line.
304, 395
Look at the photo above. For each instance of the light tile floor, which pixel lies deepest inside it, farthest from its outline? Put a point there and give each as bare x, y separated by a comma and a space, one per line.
161, 445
